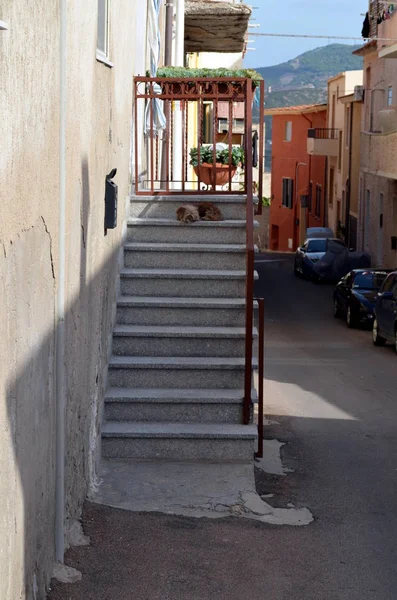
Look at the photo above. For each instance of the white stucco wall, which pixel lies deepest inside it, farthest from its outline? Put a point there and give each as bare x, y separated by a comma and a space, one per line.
339, 86
378, 169
99, 101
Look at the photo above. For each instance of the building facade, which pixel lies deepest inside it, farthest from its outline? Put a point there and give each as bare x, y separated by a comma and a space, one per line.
339, 143
342, 147
63, 131
298, 182
377, 228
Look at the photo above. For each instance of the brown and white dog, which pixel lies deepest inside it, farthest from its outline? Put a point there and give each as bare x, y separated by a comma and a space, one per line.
204, 211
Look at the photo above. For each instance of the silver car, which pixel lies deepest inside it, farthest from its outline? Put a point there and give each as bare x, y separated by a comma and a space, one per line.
312, 251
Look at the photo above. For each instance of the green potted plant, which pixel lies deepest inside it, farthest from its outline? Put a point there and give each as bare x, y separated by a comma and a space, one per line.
191, 75
218, 175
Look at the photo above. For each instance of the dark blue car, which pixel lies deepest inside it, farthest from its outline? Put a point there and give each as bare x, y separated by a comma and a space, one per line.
385, 321
356, 293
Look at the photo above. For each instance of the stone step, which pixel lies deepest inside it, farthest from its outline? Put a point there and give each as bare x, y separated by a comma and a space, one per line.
149, 340
180, 441
208, 312
175, 405
200, 232
184, 256
177, 372
160, 207
196, 283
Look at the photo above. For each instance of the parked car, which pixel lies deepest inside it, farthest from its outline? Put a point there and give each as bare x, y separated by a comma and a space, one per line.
355, 295
385, 321
311, 252
339, 261
319, 232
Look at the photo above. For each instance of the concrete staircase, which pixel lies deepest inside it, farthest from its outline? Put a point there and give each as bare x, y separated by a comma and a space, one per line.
176, 376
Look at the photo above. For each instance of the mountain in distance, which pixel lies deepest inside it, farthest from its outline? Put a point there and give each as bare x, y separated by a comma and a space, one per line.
312, 69
303, 80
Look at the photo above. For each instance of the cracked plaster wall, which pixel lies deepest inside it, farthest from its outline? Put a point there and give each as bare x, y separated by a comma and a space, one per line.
99, 101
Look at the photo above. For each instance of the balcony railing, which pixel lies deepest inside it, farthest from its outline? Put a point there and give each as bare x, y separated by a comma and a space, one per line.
323, 134
323, 142
180, 115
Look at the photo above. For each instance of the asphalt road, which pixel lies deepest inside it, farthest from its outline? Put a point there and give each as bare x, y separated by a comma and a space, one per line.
335, 399
331, 397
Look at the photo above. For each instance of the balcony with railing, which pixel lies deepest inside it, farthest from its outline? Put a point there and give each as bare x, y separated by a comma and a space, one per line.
323, 142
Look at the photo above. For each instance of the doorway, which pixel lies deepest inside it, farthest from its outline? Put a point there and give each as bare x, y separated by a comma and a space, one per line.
274, 237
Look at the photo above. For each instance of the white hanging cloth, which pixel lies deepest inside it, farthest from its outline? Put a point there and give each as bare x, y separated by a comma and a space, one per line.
154, 38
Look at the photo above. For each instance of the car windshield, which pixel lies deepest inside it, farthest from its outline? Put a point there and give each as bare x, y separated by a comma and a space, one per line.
317, 246
369, 280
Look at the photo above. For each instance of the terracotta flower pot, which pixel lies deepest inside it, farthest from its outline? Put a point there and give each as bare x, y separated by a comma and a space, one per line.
221, 173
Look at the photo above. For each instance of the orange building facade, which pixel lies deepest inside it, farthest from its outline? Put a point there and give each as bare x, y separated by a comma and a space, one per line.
298, 184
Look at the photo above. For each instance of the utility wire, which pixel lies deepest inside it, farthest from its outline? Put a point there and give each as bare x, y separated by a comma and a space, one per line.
323, 37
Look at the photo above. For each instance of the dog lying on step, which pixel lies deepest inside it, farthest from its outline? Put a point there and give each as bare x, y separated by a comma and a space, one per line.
204, 211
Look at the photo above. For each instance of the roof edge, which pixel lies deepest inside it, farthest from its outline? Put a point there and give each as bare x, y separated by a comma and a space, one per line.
366, 48
299, 110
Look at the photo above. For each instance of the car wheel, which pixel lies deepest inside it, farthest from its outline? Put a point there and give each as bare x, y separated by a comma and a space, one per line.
377, 339
337, 312
350, 318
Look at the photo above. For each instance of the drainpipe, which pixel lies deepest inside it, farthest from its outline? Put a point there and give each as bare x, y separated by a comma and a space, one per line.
179, 62
60, 329
180, 34
310, 121
297, 205
348, 194
325, 214
169, 19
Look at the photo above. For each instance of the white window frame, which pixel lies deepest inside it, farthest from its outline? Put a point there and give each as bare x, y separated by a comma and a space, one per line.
288, 131
103, 54
390, 95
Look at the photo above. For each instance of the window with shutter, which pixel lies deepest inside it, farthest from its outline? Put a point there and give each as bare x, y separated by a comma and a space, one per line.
288, 192
318, 199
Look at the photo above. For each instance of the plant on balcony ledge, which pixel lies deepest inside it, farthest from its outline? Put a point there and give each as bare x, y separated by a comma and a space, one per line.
223, 164
192, 74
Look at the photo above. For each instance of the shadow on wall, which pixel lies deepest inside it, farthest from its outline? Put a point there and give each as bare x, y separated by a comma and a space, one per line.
27, 490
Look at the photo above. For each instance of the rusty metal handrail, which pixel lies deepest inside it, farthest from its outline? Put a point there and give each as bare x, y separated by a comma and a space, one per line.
261, 357
250, 268
261, 144
249, 291
161, 173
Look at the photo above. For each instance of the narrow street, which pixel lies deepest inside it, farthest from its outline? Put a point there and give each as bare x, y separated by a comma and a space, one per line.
330, 398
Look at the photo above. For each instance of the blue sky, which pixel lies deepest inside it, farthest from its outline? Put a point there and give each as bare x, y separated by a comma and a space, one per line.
314, 17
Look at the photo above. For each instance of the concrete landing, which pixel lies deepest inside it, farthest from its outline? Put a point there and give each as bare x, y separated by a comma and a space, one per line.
194, 489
